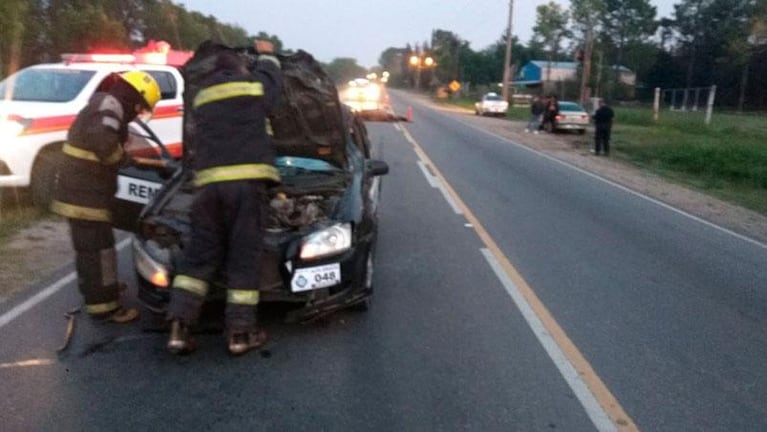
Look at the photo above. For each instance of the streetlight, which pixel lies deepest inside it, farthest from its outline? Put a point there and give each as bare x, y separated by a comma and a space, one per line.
420, 62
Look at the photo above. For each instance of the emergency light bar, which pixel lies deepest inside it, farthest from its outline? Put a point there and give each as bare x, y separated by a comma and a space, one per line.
98, 58
158, 53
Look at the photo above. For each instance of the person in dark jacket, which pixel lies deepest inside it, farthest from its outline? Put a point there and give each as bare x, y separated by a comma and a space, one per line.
233, 164
87, 182
603, 123
537, 108
550, 114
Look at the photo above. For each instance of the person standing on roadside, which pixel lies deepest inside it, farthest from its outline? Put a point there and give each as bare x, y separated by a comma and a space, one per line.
536, 112
603, 123
87, 183
550, 114
233, 165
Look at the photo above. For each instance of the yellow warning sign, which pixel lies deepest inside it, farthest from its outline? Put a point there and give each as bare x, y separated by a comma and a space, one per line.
454, 85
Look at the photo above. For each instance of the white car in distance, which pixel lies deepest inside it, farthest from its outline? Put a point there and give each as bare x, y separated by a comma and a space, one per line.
491, 104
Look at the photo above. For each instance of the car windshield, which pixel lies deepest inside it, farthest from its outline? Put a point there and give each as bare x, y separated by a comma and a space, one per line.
492, 98
45, 85
569, 106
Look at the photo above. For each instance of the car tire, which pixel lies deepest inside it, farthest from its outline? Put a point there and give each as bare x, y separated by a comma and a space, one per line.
44, 177
581, 131
366, 281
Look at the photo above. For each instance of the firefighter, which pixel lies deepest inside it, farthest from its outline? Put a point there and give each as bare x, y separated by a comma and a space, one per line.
233, 164
87, 182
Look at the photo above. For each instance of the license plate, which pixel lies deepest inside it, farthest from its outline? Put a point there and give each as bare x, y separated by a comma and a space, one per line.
309, 278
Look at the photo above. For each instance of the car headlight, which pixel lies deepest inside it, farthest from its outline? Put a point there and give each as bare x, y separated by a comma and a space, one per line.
332, 240
152, 262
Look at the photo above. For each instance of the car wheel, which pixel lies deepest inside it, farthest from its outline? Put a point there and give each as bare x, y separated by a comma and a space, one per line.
581, 131
44, 176
367, 283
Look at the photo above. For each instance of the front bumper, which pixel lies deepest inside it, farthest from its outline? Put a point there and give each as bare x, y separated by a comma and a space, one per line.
571, 126
276, 277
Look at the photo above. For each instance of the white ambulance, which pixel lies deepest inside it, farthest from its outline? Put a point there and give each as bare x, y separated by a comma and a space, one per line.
39, 103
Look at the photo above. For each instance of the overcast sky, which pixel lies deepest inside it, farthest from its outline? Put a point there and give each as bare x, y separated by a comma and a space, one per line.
364, 29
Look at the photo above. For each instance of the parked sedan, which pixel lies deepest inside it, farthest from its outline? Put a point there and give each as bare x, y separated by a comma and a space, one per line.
321, 231
571, 117
491, 104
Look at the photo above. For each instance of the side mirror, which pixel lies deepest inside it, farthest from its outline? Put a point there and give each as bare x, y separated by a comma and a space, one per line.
376, 168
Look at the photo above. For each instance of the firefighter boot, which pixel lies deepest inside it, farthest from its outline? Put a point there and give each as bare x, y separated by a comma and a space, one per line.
243, 341
180, 340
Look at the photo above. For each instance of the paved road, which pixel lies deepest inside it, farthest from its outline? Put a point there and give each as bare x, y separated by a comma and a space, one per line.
512, 293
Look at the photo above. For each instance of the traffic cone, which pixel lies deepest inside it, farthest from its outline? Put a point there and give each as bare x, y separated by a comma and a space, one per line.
409, 114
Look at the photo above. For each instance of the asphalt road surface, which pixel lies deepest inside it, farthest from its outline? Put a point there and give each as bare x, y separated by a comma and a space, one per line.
512, 292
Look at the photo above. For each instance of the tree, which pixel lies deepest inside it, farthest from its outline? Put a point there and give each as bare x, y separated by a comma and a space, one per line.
13, 14
624, 23
711, 36
550, 30
344, 69
586, 15
446, 51
394, 61
82, 25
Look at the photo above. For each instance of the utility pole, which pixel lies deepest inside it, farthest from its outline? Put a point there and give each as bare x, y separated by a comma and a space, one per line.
586, 71
507, 61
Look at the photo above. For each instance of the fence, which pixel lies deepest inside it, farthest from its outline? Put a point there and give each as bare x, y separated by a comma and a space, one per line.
691, 99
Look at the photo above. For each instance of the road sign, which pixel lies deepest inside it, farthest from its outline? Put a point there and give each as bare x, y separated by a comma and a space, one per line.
454, 86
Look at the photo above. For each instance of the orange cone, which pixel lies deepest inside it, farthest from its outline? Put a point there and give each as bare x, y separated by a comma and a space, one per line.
409, 114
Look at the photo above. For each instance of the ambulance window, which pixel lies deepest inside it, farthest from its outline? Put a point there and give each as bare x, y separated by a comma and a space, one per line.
45, 85
167, 83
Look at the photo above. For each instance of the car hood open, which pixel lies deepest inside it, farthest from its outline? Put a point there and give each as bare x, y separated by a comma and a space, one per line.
308, 121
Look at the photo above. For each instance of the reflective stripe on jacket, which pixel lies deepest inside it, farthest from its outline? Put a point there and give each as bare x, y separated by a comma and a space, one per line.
236, 172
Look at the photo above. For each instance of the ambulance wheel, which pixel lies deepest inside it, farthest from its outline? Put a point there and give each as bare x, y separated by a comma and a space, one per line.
44, 176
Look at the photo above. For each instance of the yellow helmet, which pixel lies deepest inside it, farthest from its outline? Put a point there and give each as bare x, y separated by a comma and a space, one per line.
145, 85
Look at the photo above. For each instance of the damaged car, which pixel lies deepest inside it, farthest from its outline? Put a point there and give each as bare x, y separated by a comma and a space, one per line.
319, 246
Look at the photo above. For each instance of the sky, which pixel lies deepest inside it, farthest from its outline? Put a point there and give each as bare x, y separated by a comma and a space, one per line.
362, 30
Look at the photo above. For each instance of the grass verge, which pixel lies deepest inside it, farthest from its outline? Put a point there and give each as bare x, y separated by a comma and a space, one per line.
726, 159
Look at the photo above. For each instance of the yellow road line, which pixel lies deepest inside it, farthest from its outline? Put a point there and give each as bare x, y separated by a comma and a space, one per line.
599, 390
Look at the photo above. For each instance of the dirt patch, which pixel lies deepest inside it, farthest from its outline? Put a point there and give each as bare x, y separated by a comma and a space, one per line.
32, 254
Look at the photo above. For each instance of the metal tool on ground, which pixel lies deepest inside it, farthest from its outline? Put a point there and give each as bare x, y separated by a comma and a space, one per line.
70, 317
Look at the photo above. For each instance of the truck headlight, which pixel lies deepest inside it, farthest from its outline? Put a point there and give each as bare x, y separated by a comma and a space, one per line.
332, 240
152, 262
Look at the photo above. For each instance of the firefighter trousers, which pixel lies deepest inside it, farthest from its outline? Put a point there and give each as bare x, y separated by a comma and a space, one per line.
96, 264
226, 243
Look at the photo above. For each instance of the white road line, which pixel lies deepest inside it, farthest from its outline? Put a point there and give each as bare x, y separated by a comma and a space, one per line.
28, 363
449, 198
429, 178
593, 409
620, 186
434, 181
45, 293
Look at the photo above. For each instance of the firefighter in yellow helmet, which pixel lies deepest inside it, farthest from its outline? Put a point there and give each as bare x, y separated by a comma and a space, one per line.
87, 182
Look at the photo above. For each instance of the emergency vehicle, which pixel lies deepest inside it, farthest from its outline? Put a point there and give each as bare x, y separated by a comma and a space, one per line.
40, 102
